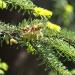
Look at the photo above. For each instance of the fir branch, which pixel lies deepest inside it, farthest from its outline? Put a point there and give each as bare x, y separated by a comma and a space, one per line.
7, 28
23, 4
63, 48
68, 36
49, 58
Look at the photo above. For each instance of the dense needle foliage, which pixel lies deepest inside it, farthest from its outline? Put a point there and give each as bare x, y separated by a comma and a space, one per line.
54, 45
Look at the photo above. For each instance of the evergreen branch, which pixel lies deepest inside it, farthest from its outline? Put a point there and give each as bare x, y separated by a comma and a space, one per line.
10, 28
63, 48
68, 36
23, 4
7, 28
50, 59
